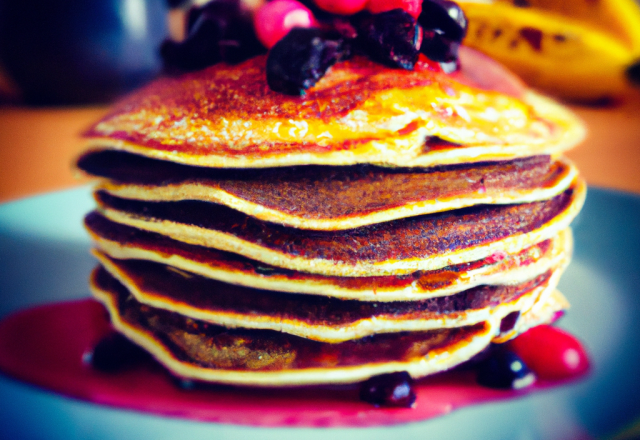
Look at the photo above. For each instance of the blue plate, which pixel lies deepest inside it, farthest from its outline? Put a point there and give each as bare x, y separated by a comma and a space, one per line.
44, 258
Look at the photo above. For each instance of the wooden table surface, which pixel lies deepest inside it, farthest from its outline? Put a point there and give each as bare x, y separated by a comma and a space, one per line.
37, 147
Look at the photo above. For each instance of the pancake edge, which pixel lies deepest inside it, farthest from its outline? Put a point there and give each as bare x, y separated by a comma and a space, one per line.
193, 191
226, 242
338, 333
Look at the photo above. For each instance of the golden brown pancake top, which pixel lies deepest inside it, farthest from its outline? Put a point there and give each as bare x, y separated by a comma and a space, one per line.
360, 112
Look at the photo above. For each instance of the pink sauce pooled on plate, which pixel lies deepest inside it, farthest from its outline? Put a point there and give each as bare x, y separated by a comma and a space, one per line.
45, 346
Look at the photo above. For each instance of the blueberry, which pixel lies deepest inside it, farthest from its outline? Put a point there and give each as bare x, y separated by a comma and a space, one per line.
217, 31
302, 57
505, 370
114, 353
509, 322
391, 37
439, 48
444, 16
393, 389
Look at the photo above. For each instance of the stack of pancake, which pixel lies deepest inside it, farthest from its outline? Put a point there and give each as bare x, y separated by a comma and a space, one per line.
386, 221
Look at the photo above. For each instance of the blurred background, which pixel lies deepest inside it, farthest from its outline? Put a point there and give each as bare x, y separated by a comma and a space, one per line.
62, 62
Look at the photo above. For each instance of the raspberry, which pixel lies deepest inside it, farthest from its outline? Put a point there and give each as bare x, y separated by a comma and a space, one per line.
342, 7
413, 7
551, 353
274, 20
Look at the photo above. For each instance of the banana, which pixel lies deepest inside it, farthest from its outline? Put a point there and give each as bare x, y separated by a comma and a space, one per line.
577, 49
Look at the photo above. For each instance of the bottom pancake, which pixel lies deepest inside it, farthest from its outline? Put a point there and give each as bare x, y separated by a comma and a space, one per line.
197, 350
201, 351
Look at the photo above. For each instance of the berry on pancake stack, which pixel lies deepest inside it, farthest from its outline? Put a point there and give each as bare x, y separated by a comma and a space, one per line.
368, 200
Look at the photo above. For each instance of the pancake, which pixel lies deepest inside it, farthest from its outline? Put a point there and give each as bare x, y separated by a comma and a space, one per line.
332, 198
359, 112
315, 317
402, 246
196, 350
123, 242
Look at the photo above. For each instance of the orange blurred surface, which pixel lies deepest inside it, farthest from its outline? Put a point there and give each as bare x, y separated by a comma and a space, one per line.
610, 156
37, 147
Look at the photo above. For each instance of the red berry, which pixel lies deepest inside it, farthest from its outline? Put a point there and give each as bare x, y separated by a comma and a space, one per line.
413, 7
274, 20
551, 353
343, 7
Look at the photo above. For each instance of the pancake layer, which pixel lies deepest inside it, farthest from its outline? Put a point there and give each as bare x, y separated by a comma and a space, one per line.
330, 198
202, 351
315, 317
402, 246
124, 242
359, 112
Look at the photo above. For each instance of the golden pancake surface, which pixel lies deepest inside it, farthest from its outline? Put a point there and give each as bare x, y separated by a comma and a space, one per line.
359, 112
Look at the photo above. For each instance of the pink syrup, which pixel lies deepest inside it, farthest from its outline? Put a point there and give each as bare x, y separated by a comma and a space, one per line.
45, 345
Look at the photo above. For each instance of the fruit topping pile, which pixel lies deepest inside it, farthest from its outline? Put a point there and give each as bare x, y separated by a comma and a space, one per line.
305, 38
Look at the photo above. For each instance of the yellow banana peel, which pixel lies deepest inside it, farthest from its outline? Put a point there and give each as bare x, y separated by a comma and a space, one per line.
576, 49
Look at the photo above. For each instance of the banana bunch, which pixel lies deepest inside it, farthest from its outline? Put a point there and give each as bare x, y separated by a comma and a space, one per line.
582, 50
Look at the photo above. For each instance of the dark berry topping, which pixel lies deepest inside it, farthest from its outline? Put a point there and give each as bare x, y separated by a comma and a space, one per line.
218, 31
444, 16
393, 389
439, 48
302, 57
114, 353
509, 322
505, 370
392, 38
